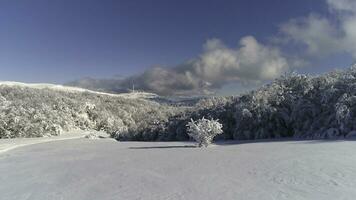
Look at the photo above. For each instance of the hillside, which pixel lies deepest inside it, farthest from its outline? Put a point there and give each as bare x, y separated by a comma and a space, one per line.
143, 95
294, 105
35, 110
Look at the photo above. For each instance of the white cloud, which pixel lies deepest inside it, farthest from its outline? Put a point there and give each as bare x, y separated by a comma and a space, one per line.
323, 36
342, 5
317, 33
250, 61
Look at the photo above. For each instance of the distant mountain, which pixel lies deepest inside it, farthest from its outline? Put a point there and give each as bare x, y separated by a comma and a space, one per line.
72, 89
104, 85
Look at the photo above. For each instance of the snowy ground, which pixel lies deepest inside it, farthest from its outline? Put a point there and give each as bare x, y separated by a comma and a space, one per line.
106, 169
9, 144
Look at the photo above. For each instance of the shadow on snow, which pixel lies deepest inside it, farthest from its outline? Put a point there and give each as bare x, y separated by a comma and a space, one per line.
241, 142
164, 147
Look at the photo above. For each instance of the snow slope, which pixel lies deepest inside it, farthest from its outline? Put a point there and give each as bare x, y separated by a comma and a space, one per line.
143, 95
10, 144
82, 169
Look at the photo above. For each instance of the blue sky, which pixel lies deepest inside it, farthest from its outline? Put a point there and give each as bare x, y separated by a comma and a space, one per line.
62, 40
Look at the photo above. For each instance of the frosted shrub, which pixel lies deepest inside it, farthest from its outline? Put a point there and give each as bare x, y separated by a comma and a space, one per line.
56, 129
93, 136
119, 132
203, 131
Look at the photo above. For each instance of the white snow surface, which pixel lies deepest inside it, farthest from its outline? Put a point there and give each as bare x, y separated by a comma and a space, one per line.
82, 169
9, 144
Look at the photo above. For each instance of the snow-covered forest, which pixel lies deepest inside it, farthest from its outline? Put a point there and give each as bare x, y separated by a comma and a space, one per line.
34, 112
294, 105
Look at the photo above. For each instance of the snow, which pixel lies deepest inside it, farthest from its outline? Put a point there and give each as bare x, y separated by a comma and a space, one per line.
81, 169
134, 95
9, 144
96, 135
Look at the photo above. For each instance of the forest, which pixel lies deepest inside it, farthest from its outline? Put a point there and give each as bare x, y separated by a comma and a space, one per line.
292, 106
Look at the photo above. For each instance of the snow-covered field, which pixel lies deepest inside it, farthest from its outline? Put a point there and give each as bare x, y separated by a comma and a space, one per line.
10, 144
106, 169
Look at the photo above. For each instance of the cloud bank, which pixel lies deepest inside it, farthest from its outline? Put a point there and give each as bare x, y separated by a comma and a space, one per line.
216, 66
250, 61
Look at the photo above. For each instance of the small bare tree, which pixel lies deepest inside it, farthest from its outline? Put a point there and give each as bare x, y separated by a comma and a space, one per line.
203, 130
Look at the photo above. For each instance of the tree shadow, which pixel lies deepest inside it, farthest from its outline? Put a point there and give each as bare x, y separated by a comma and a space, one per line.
293, 140
165, 147
318, 141
240, 142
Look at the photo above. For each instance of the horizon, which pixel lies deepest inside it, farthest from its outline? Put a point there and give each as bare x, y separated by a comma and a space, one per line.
215, 47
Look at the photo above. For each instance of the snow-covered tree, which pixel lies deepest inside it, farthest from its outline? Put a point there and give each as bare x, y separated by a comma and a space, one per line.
203, 130
35, 112
299, 106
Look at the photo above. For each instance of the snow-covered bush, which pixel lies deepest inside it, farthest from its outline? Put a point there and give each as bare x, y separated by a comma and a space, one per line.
203, 130
93, 136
